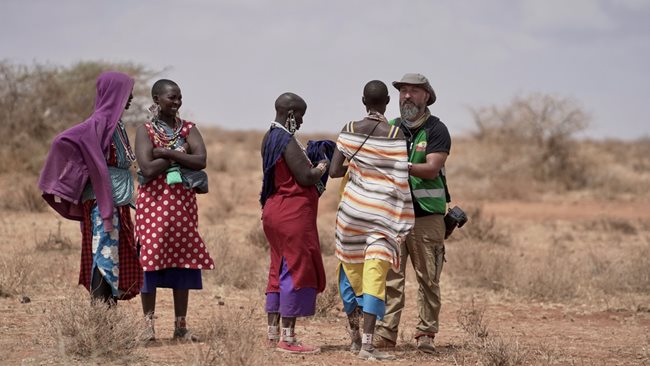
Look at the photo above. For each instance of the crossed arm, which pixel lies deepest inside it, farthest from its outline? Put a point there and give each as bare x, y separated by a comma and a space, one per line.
154, 161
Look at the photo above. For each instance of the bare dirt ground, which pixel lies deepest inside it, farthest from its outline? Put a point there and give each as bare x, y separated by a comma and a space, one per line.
582, 333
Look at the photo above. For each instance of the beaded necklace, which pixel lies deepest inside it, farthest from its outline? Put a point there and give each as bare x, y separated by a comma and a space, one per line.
124, 139
162, 137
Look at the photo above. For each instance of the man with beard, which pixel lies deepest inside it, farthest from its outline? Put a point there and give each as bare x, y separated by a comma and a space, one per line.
428, 143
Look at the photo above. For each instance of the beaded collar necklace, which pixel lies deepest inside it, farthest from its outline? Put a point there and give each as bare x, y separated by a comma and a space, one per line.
162, 137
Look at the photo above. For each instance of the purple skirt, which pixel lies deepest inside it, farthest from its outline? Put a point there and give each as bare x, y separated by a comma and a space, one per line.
291, 302
176, 278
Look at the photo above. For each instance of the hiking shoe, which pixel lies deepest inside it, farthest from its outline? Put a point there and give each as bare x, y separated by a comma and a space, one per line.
425, 344
383, 343
184, 334
296, 347
374, 355
355, 344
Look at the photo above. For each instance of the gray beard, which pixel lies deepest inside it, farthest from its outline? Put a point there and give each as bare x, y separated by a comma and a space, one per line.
409, 111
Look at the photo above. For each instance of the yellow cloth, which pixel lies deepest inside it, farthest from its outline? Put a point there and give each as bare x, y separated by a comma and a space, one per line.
368, 277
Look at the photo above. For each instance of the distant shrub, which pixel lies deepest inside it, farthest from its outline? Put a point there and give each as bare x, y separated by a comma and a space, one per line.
236, 265
483, 228
535, 132
24, 197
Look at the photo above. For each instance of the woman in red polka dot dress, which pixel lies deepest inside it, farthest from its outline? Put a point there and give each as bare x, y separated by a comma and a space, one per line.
172, 252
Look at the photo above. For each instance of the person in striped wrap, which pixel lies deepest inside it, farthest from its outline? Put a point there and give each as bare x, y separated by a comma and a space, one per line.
374, 215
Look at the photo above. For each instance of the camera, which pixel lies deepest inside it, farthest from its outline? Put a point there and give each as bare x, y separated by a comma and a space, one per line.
454, 218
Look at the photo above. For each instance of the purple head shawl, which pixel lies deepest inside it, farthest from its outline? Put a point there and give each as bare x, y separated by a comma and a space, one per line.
79, 153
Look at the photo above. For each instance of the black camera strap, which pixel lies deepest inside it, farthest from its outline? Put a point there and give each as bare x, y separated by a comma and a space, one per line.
444, 184
364, 141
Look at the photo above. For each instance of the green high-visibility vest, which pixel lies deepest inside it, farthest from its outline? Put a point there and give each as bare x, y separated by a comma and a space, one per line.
431, 194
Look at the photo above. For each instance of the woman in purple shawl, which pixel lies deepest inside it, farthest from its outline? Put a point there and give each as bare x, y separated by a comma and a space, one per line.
86, 178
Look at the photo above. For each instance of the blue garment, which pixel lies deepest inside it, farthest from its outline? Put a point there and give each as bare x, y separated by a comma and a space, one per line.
318, 150
176, 278
105, 249
366, 302
276, 141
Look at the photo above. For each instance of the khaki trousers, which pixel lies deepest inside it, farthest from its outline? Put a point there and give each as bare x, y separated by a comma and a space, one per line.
425, 244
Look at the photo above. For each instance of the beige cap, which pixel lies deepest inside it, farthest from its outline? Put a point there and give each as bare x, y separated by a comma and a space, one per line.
419, 80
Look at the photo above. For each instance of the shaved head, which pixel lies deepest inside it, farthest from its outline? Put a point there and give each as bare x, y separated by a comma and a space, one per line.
375, 93
159, 86
290, 101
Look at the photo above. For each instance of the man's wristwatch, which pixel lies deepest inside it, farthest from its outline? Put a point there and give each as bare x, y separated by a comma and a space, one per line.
410, 165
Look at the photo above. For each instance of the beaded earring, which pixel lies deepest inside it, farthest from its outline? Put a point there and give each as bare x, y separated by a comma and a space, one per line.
291, 120
154, 110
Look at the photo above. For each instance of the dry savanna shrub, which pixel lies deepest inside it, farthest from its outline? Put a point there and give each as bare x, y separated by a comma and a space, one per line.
490, 349
41, 100
612, 225
532, 137
499, 351
552, 277
236, 264
471, 320
227, 197
231, 340
480, 264
626, 272
79, 329
327, 301
234, 152
482, 228
25, 197
15, 274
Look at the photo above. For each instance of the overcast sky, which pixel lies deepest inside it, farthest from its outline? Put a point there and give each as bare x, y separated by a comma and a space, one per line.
233, 58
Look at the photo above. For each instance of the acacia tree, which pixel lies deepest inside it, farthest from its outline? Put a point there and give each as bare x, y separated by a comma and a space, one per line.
540, 128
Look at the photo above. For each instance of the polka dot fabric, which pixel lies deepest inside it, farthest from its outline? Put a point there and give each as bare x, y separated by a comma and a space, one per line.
166, 224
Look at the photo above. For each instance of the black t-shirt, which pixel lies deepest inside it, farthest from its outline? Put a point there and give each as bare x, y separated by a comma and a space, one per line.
438, 140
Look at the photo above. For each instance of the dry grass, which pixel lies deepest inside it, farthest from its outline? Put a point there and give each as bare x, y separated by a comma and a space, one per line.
257, 238
26, 197
327, 301
327, 242
93, 332
226, 196
15, 274
236, 264
612, 225
57, 241
471, 320
488, 348
231, 340
549, 268
483, 228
